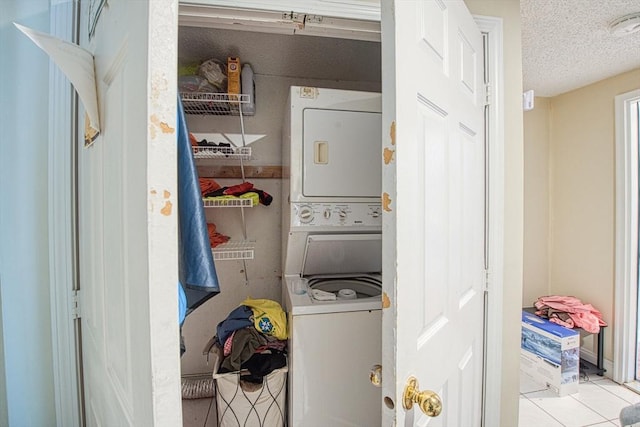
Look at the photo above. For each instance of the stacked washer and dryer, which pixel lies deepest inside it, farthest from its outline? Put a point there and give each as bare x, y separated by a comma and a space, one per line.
332, 237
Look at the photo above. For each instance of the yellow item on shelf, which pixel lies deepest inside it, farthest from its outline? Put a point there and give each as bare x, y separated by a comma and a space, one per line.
233, 75
254, 197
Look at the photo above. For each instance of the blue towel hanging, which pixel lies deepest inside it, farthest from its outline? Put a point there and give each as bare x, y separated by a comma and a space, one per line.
197, 270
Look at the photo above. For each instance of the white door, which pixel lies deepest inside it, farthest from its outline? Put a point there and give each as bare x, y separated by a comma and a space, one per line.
127, 220
433, 198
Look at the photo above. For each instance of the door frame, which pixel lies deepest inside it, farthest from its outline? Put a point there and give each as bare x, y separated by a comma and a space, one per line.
626, 245
63, 143
492, 27
62, 246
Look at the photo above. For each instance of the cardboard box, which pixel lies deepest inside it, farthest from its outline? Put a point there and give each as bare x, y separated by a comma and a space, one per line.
233, 75
550, 354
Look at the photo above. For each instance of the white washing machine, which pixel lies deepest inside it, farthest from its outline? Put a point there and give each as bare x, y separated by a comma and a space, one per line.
332, 236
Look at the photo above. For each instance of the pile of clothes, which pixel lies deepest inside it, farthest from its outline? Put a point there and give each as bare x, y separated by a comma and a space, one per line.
211, 190
253, 339
569, 312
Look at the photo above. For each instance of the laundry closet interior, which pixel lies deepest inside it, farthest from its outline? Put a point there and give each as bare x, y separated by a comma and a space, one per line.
284, 50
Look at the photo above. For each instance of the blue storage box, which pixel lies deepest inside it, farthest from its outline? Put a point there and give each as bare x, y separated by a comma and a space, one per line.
550, 354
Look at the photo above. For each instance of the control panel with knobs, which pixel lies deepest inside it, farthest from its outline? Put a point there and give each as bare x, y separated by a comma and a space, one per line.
336, 214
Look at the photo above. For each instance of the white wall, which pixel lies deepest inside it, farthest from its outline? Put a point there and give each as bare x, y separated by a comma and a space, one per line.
27, 385
536, 202
570, 198
583, 195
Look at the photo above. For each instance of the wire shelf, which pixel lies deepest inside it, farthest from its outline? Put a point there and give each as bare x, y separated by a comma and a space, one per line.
211, 152
234, 250
227, 203
219, 104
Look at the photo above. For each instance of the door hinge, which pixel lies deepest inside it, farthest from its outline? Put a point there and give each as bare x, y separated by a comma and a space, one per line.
315, 19
487, 278
297, 18
75, 304
487, 94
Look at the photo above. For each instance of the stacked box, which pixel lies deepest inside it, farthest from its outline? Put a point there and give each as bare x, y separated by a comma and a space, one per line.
550, 354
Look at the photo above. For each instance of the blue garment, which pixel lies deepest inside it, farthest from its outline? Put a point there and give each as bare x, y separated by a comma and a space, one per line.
239, 318
196, 268
182, 304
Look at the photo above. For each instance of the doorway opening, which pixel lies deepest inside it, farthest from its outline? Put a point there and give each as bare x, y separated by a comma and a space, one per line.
627, 334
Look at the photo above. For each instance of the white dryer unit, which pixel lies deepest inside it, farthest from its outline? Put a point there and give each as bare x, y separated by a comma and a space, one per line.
332, 236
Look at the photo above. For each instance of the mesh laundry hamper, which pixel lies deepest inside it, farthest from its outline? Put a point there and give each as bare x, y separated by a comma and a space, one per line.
242, 404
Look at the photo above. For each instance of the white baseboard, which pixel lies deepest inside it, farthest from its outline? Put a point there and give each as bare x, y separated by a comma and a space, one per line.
592, 357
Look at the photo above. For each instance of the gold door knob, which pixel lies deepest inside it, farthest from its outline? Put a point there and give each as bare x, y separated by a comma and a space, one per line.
428, 401
375, 375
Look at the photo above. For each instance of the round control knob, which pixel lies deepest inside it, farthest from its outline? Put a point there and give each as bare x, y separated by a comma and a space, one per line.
342, 213
375, 212
305, 213
327, 213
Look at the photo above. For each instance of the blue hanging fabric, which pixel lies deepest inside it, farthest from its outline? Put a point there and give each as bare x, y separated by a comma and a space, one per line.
196, 268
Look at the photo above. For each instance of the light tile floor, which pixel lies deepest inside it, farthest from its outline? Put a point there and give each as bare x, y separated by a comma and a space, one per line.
199, 413
597, 404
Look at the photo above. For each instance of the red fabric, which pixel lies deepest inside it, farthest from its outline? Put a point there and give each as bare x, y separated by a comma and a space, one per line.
582, 315
207, 185
215, 238
193, 140
237, 190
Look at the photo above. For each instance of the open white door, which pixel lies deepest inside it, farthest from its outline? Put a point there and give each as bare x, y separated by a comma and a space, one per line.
127, 216
433, 261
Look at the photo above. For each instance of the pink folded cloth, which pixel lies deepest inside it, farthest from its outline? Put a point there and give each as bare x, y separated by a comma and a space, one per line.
579, 314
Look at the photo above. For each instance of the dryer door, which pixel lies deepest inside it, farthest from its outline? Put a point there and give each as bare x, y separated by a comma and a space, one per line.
342, 254
341, 154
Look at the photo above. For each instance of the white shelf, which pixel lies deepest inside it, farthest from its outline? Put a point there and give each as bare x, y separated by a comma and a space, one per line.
233, 250
211, 152
219, 104
227, 203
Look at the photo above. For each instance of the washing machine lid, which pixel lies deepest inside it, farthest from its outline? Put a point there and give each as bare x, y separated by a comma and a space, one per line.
342, 254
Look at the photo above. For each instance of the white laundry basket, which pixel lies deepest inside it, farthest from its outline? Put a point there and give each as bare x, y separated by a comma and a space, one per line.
242, 404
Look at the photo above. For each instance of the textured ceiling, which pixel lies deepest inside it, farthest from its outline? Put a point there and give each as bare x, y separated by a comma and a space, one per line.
566, 44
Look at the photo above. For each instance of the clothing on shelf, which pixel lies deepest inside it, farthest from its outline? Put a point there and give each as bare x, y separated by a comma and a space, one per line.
570, 312
246, 189
214, 237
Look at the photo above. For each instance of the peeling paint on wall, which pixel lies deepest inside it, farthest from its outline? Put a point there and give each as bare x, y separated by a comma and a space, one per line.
158, 86
164, 127
386, 302
392, 132
386, 201
166, 210
388, 155
167, 205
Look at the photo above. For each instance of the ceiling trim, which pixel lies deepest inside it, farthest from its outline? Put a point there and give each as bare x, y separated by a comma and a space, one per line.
272, 21
352, 9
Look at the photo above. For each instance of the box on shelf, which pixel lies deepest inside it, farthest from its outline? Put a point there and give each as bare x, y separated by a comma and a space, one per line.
233, 75
550, 354
246, 404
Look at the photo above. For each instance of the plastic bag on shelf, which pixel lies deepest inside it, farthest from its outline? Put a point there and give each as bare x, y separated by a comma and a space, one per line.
215, 72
